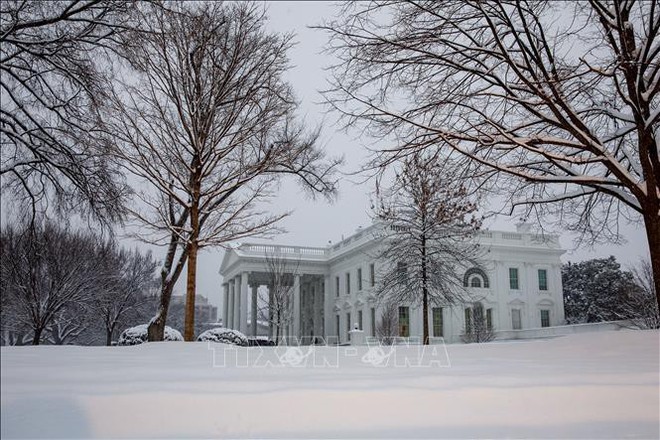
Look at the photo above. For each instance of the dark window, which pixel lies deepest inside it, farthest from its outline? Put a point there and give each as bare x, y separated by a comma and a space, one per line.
336, 286
373, 322
543, 279
338, 328
360, 319
437, 322
372, 274
468, 320
489, 318
359, 279
545, 318
348, 283
513, 278
404, 322
475, 281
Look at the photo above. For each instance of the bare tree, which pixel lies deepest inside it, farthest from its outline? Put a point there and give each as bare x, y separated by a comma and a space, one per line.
209, 124
387, 328
277, 305
426, 244
130, 278
640, 302
54, 74
45, 270
552, 104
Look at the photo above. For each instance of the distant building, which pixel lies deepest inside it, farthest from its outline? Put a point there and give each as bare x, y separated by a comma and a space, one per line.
518, 286
205, 313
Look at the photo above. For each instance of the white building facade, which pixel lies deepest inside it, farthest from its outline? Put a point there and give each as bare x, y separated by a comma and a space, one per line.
518, 286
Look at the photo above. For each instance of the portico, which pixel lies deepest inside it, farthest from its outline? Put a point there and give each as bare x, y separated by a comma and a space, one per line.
250, 289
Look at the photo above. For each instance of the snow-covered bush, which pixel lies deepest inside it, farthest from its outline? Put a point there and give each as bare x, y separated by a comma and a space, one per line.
225, 336
138, 334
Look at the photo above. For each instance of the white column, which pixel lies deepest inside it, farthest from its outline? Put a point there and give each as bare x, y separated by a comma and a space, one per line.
225, 304
328, 322
254, 310
244, 302
237, 304
296, 306
230, 305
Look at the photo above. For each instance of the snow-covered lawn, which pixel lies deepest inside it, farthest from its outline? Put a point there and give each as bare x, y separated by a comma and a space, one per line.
598, 385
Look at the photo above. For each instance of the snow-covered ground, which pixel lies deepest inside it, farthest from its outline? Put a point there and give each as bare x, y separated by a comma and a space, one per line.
598, 385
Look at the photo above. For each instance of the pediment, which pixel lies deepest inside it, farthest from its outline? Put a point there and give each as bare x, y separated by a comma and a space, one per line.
545, 302
517, 302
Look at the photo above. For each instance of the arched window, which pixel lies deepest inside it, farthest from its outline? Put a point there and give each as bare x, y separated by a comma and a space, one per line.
478, 274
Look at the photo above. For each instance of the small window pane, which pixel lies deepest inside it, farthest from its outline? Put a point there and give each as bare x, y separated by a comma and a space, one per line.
543, 279
359, 278
372, 274
513, 278
475, 282
468, 320
545, 318
489, 318
437, 322
373, 321
336, 286
360, 319
348, 325
404, 322
348, 283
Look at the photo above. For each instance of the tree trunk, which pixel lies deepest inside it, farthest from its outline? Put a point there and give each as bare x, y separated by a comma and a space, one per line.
652, 223
189, 326
108, 335
425, 294
156, 329
36, 339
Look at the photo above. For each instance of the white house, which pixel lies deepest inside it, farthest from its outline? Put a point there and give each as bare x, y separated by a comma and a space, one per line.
519, 286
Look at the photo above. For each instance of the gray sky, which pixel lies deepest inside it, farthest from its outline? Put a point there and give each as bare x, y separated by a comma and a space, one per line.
315, 222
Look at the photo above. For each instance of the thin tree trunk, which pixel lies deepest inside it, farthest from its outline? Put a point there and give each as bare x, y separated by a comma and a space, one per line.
156, 330
189, 326
652, 224
425, 288
191, 282
36, 340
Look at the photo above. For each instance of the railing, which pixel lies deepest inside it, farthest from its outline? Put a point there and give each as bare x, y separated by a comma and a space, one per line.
262, 249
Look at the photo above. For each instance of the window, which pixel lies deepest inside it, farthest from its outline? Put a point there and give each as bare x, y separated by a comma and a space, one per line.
373, 321
543, 279
437, 321
468, 320
402, 269
516, 322
513, 278
348, 283
359, 278
489, 319
404, 322
475, 281
545, 318
372, 274
360, 319
483, 278
338, 327
336, 286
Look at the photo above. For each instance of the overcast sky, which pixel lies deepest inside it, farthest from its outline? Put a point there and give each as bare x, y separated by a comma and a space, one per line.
315, 223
